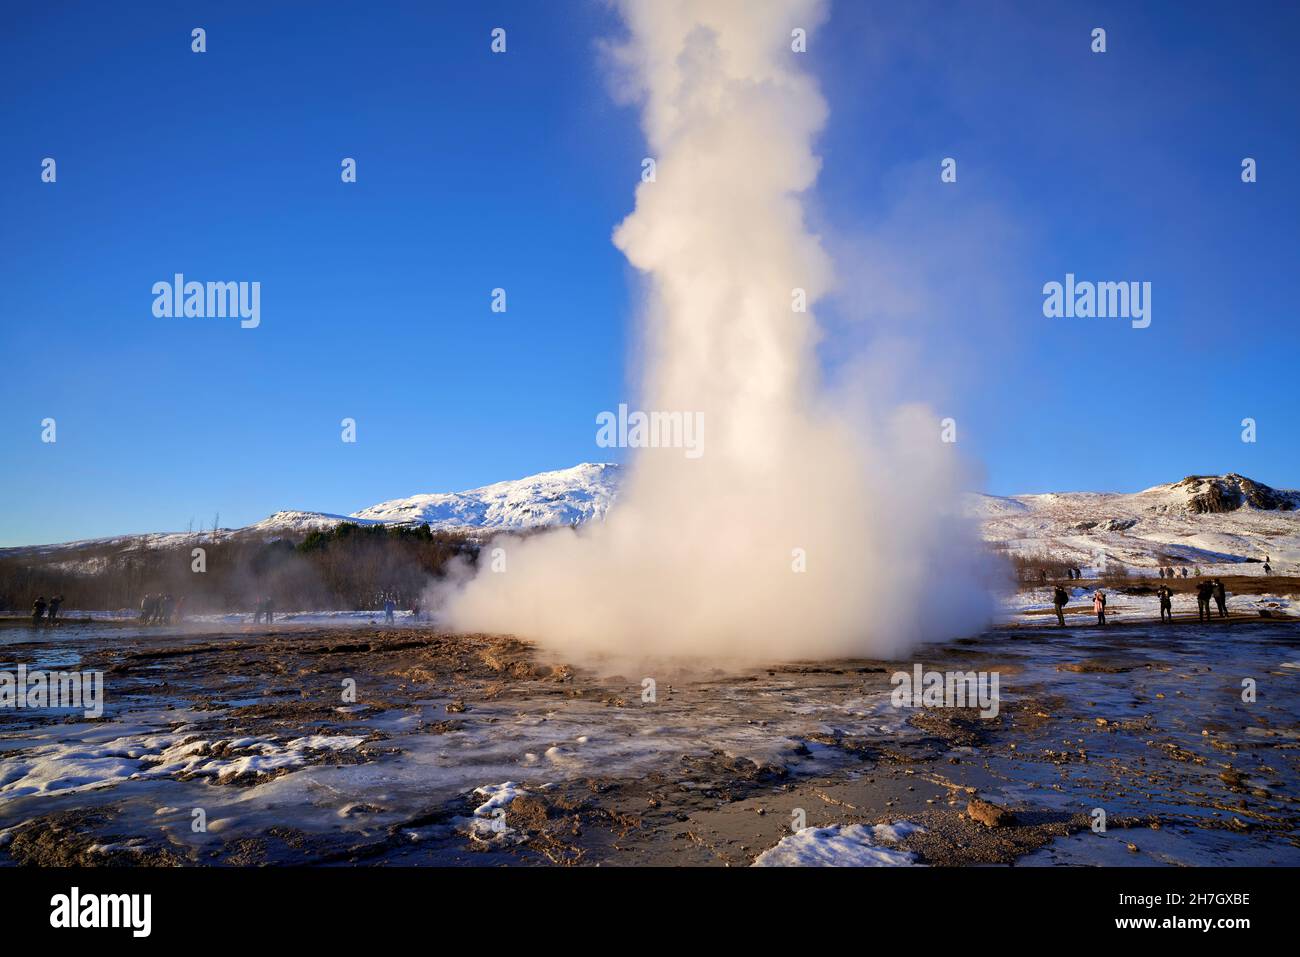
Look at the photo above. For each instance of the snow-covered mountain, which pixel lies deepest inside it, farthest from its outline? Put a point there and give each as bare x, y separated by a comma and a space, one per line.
292, 520
1205, 520
563, 497
1210, 521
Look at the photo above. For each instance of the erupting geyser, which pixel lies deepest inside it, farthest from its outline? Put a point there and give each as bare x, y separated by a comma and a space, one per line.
807, 527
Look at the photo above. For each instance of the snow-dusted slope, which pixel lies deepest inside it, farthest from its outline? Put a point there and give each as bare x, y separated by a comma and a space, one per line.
563, 497
295, 521
1210, 521
1202, 520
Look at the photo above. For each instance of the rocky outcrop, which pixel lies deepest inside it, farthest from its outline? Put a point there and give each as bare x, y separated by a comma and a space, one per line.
1227, 493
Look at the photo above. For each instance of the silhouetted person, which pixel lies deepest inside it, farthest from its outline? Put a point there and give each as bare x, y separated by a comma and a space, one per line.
1166, 603
1099, 605
1204, 592
1220, 597
1059, 599
38, 610
1184, 571
55, 604
389, 607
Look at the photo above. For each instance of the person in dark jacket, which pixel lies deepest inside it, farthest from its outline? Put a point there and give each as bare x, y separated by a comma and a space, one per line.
1220, 598
38, 610
53, 613
1059, 600
1204, 592
1166, 603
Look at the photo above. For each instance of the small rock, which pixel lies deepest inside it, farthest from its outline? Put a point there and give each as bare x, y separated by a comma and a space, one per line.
1232, 778
988, 814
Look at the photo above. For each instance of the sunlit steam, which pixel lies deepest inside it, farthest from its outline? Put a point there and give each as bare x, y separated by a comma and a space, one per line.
810, 525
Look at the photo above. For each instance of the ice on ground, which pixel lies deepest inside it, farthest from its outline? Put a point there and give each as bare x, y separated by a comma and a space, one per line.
842, 845
498, 796
66, 767
895, 832
489, 819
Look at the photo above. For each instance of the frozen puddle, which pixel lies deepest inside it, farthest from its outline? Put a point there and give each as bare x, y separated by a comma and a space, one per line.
842, 845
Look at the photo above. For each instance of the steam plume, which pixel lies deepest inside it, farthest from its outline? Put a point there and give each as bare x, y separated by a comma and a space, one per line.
699, 556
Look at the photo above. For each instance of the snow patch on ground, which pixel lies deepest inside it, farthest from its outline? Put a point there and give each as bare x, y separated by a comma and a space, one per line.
63, 767
489, 820
842, 845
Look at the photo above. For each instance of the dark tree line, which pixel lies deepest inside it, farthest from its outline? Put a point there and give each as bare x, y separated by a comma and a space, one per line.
347, 567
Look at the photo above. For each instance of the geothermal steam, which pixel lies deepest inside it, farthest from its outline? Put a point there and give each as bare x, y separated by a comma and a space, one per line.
803, 530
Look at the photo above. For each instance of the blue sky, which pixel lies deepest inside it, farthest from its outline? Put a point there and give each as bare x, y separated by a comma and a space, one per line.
477, 171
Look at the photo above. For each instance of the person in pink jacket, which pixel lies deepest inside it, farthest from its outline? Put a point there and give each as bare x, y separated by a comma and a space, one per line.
1099, 605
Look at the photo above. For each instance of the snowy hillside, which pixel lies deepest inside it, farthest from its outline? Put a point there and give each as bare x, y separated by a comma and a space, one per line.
1206, 521
1210, 521
295, 521
564, 497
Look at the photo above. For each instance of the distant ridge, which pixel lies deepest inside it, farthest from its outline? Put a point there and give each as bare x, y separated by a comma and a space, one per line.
1201, 520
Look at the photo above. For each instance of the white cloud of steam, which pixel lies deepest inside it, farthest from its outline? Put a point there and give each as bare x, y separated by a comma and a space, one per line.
696, 557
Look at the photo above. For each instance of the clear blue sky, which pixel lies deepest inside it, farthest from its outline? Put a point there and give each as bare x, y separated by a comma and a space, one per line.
477, 171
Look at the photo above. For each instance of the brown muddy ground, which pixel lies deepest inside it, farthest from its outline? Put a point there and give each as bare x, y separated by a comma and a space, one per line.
1147, 725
